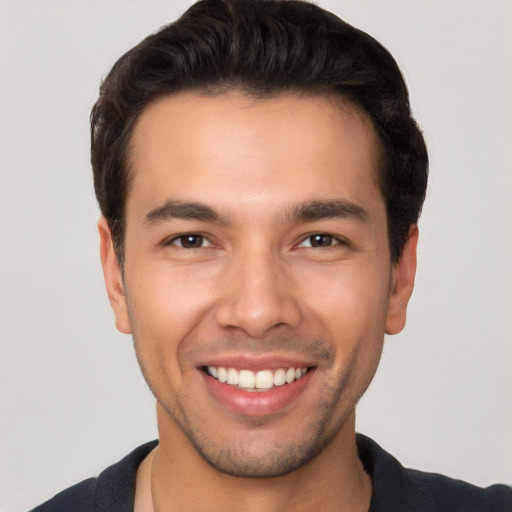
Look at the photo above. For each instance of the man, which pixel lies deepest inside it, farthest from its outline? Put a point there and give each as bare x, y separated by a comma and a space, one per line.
260, 178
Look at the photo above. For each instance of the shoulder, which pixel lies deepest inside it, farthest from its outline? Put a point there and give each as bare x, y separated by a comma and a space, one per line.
78, 498
113, 490
451, 494
399, 489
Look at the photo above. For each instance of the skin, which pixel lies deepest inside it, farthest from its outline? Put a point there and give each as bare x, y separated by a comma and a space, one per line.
255, 290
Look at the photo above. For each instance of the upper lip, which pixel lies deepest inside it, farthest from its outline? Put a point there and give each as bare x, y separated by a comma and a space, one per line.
257, 362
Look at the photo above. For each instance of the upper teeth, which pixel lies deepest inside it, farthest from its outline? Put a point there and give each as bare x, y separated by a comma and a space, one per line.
264, 379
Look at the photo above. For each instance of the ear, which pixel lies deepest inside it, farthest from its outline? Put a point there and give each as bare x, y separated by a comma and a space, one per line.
402, 284
113, 277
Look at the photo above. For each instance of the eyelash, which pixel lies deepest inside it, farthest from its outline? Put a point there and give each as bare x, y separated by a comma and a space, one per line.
189, 236
333, 241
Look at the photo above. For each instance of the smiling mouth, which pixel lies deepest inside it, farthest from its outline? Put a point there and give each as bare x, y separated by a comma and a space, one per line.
262, 380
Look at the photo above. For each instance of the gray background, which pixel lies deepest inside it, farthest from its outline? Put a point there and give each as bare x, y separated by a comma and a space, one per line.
72, 398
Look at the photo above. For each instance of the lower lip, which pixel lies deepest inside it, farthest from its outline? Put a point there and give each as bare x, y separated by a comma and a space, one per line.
256, 403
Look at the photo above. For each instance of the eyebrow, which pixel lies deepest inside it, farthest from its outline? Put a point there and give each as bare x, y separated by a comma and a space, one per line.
304, 212
175, 209
329, 209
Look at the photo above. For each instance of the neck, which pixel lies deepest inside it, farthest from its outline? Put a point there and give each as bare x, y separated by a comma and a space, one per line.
174, 477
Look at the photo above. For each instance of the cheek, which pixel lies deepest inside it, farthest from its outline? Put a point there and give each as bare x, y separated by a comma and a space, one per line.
168, 298
165, 309
351, 302
350, 311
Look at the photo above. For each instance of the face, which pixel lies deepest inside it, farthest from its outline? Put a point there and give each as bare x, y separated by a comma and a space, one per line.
257, 277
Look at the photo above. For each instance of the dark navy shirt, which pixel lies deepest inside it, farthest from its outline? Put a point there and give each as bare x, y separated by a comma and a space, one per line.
395, 489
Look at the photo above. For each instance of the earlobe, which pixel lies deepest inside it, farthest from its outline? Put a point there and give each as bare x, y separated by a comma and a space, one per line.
404, 272
113, 277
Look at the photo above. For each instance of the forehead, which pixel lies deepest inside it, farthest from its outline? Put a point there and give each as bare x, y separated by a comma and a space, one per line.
287, 148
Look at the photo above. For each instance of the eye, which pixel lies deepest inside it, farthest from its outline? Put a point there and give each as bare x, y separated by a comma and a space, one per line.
319, 240
191, 241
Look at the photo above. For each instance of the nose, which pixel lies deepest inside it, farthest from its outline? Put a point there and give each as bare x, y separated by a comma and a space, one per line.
258, 296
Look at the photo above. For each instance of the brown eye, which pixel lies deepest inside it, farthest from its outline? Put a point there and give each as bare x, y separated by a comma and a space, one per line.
319, 240
191, 241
